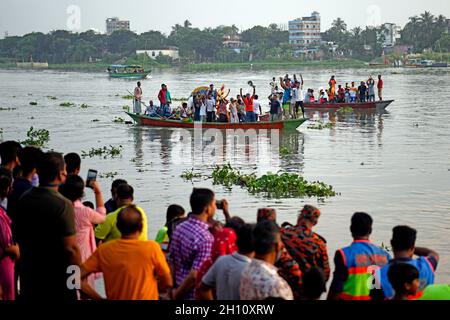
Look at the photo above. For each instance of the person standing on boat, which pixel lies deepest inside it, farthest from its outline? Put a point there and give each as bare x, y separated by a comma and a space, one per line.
371, 89
341, 94
353, 93
257, 108
137, 98
210, 106
286, 84
233, 111
332, 85
249, 105
380, 87
275, 107
164, 98
362, 90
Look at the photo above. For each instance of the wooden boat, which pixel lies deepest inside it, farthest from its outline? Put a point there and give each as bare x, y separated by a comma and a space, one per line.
167, 123
378, 105
127, 72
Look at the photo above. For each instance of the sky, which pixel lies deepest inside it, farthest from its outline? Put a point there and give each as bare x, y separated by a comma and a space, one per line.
19, 17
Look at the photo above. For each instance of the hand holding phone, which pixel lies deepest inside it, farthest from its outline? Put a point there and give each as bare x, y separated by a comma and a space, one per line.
92, 176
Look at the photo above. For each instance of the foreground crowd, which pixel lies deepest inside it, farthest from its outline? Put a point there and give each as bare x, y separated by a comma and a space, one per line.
53, 246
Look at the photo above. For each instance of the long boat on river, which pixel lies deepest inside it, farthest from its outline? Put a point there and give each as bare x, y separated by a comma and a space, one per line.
378, 105
170, 123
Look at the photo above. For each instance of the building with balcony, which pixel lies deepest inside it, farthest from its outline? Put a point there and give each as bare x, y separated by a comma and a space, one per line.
391, 34
304, 34
114, 24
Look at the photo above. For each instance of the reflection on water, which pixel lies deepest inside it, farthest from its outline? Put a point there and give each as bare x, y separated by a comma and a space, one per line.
394, 165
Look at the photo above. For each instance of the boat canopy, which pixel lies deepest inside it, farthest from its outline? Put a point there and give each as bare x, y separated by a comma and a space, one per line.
119, 66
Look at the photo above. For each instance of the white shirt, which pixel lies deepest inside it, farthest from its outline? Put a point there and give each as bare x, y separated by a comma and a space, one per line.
256, 106
190, 102
210, 105
295, 96
203, 110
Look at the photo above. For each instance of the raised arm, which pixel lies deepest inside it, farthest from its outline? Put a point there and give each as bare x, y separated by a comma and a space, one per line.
425, 252
254, 91
241, 93
282, 83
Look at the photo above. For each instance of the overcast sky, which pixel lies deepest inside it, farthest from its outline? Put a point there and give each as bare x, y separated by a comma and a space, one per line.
23, 16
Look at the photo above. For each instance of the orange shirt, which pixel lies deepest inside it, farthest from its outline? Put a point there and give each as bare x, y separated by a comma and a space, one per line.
129, 268
248, 104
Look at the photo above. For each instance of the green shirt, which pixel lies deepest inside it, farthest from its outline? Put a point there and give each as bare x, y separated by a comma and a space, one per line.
107, 231
436, 292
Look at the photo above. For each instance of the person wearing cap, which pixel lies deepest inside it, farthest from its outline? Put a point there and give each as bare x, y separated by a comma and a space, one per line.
308, 248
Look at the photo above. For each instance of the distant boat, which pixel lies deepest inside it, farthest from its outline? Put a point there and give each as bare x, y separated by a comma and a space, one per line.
127, 72
426, 64
378, 105
32, 65
168, 123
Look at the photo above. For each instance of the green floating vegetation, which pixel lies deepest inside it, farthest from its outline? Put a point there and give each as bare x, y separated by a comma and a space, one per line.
7, 109
321, 126
346, 110
85, 106
36, 138
180, 99
104, 152
126, 108
274, 185
128, 97
190, 175
95, 120
33, 103
119, 120
1, 132
52, 98
285, 151
108, 175
67, 104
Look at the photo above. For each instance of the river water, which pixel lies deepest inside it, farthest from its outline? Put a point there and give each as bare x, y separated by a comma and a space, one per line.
394, 166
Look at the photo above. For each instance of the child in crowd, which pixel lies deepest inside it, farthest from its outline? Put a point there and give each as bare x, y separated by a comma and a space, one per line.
404, 278
174, 215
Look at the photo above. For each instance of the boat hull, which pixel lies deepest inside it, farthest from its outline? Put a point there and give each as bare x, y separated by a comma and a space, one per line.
129, 75
378, 105
164, 123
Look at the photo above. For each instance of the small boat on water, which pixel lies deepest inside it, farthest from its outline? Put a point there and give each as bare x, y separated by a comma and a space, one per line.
127, 72
169, 123
378, 105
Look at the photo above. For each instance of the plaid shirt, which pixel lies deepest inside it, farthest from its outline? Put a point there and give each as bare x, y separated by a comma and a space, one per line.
190, 247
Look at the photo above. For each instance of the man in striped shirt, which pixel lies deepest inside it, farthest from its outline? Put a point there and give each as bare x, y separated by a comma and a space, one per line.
191, 244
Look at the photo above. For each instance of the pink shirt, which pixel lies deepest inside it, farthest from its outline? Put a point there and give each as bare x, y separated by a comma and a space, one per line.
85, 219
6, 263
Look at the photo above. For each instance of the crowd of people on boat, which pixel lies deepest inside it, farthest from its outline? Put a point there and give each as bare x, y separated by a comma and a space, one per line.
47, 233
286, 100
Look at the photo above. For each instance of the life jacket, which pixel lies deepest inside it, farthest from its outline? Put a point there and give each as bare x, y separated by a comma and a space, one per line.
426, 276
362, 259
312, 99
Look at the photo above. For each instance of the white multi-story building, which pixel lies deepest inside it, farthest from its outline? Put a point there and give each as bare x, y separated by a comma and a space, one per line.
114, 24
391, 34
172, 52
305, 32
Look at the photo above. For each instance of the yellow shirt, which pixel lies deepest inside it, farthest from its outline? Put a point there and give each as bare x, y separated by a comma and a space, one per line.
129, 268
107, 231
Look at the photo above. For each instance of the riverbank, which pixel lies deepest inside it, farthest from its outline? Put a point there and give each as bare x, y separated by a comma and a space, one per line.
265, 65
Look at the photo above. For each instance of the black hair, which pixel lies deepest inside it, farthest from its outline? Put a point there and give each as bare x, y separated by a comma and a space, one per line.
235, 223
403, 238
129, 220
29, 158
73, 188
361, 224
200, 199
256, 97
89, 205
125, 191
117, 183
314, 283
9, 151
73, 162
245, 239
265, 236
5, 181
400, 274
49, 167
139, 83
174, 211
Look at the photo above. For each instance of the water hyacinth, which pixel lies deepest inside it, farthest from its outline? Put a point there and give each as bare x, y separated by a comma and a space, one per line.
67, 104
36, 138
102, 152
321, 126
190, 175
273, 185
33, 103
